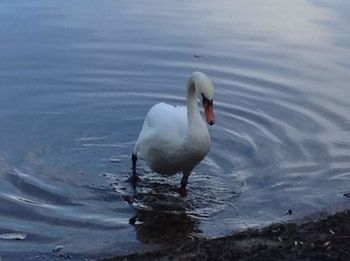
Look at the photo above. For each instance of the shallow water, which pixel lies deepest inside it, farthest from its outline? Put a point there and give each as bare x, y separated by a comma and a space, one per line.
77, 78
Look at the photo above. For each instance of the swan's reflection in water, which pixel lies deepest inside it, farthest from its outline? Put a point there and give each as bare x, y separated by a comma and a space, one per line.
162, 215
160, 211
163, 227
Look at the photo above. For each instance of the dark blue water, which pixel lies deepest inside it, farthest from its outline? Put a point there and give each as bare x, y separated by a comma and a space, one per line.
78, 77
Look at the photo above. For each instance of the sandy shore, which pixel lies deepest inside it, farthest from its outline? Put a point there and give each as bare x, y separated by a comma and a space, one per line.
325, 239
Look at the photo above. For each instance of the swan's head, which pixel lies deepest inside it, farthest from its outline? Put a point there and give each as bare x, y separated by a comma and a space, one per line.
205, 92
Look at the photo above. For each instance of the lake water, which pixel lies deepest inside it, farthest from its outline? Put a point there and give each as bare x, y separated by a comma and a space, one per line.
78, 77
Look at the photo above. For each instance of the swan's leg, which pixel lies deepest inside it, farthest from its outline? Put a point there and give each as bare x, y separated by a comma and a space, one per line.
182, 190
133, 177
133, 160
184, 180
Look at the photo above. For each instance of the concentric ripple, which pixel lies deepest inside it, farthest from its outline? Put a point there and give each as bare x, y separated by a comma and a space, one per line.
78, 79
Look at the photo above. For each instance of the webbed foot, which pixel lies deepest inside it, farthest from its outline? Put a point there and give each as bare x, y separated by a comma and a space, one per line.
133, 179
182, 191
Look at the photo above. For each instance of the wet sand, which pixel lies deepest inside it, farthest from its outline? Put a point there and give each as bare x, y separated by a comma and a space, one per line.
325, 239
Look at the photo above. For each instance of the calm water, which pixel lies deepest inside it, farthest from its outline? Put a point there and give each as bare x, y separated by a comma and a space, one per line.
77, 78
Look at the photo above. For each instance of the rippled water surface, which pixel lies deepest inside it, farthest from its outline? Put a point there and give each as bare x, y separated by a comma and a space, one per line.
78, 77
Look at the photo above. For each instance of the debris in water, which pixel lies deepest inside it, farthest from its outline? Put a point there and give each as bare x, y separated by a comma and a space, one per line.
196, 56
57, 248
13, 236
57, 252
114, 160
347, 195
66, 256
289, 212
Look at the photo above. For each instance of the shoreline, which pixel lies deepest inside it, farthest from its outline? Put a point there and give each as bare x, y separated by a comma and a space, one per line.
324, 239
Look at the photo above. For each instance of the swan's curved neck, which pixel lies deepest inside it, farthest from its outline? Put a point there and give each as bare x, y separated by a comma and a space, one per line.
193, 116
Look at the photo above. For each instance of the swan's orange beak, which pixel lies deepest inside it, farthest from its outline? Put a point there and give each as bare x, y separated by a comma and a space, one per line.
209, 112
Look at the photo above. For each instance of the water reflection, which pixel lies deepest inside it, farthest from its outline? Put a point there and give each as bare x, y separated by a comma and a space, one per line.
163, 227
160, 212
162, 215
78, 78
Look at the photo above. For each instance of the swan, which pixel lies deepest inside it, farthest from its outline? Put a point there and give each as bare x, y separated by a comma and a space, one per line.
175, 138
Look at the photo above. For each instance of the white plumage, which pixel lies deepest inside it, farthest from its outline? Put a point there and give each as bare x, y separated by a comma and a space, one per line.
175, 138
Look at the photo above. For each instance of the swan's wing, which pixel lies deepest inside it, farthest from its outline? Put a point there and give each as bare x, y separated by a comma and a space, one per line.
162, 117
164, 128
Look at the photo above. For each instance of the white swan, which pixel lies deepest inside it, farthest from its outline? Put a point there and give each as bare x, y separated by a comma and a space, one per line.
175, 139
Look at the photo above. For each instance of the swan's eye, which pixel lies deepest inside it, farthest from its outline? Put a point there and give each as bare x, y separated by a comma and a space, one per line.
205, 100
